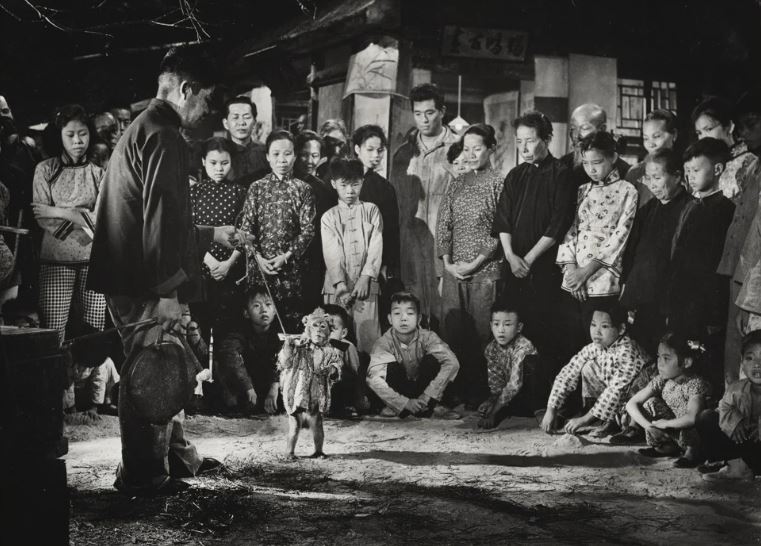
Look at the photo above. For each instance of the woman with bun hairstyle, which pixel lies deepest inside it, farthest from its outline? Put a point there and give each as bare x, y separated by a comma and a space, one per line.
472, 261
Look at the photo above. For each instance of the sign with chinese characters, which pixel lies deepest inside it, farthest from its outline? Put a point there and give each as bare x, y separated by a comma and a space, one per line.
485, 43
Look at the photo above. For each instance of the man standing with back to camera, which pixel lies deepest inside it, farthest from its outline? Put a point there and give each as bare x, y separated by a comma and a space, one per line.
146, 258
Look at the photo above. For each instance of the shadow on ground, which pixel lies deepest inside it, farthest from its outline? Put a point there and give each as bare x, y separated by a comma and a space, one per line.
590, 460
292, 504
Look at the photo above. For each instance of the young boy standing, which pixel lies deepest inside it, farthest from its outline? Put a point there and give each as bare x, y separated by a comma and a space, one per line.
696, 296
410, 367
352, 245
511, 365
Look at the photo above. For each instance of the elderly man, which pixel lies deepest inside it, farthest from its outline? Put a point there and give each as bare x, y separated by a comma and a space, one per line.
420, 175
146, 258
585, 120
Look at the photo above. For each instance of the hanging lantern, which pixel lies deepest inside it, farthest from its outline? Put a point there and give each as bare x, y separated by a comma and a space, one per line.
458, 124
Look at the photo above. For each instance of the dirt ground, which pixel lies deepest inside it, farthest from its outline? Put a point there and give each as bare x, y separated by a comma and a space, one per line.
412, 481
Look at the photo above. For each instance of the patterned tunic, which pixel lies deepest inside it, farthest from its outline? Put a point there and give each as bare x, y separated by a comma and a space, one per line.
217, 204
505, 367
748, 179
676, 393
669, 401
604, 218
305, 376
465, 220
732, 180
59, 183
617, 367
279, 214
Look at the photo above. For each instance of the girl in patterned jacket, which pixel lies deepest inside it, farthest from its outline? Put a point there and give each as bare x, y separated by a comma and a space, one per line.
671, 402
591, 253
611, 368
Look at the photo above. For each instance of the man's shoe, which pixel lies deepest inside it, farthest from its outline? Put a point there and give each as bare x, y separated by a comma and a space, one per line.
736, 469
209, 465
168, 487
653, 453
710, 467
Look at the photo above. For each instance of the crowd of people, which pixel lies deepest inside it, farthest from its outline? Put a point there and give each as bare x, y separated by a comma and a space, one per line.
602, 298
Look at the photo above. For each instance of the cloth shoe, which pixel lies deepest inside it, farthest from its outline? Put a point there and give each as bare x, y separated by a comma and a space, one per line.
709, 467
209, 465
653, 453
736, 469
628, 436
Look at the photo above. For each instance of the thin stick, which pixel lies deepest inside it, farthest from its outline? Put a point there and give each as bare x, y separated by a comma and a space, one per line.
211, 355
137, 324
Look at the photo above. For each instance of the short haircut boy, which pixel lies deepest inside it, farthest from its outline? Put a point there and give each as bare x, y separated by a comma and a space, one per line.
405, 297
753, 338
362, 134
344, 168
256, 290
537, 121
600, 140
501, 306
427, 91
339, 311
714, 149
240, 100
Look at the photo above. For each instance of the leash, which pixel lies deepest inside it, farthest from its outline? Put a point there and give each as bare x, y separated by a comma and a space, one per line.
266, 284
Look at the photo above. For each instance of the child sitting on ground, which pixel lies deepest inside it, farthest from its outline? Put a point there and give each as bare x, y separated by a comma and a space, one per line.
668, 406
246, 372
352, 244
733, 433
308, 366
511, 366
612, 369
410, 367
349, 396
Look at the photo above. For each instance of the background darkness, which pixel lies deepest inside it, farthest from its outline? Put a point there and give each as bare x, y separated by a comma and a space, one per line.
712, 45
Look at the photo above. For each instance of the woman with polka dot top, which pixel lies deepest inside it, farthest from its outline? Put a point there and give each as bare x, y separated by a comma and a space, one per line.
217, 201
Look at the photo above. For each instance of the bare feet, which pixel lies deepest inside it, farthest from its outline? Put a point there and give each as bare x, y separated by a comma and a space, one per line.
318, 455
